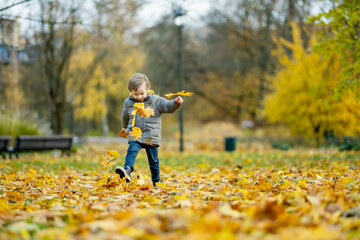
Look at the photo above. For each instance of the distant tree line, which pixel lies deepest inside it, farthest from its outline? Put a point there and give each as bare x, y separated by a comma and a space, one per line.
79, 79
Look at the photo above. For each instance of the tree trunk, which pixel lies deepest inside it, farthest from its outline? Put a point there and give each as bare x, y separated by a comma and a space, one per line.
290, 18
59, 114
14, 63
265, 55
56, 56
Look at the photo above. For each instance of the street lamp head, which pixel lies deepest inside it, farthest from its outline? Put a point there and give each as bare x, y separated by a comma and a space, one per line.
179, 17
179, 21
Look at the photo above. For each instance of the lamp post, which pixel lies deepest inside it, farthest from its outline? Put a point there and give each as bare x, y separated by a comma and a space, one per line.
179, 22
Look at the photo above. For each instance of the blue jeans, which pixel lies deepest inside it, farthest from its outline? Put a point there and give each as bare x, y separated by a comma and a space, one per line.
152, 154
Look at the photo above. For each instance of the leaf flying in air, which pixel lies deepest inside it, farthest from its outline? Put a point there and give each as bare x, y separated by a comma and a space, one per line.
109, 158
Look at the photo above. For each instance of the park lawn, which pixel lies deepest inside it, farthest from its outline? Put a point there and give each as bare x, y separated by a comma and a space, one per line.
264, 194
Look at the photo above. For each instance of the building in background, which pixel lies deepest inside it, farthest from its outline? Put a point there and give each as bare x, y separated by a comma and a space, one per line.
11, 41
10, 33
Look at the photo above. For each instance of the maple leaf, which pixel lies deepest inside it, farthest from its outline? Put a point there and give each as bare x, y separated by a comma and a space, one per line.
139, 105
182, 93
107, 161
261, 199
109, 158
148, 112
113, 153
124, 134
136, 132
139, 108
65, 194
148, 142
142, 111
31, 174
15, 195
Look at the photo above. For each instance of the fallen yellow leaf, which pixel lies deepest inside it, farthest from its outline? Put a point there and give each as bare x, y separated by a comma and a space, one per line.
65, 193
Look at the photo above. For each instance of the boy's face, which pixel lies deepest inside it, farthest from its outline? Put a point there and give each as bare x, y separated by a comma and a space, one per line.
140, 93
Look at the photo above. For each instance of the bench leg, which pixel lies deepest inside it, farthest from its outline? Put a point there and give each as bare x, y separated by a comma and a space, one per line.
3, 155
66, 152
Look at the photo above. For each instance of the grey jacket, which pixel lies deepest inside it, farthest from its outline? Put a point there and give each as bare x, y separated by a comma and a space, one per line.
150, 127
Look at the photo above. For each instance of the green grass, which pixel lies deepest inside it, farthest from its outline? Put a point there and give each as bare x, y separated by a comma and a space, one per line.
89, 160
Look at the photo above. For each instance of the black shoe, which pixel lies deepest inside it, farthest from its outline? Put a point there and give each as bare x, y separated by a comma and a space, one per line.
124, 172
154, 183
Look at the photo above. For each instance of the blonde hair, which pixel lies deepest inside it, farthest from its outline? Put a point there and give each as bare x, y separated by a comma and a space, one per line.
136, 80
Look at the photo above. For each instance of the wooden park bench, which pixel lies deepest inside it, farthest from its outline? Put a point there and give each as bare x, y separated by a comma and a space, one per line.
4, 144
39, 143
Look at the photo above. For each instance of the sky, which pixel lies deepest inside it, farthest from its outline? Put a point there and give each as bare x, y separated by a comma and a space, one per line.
154, 10
149, 14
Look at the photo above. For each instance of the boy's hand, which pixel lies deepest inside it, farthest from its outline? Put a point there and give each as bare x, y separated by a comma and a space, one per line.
179, 100
123, 133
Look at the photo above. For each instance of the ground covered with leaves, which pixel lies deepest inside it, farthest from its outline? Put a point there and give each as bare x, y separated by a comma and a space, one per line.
298, 194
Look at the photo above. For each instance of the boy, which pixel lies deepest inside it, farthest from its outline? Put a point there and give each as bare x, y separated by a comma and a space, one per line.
139, 87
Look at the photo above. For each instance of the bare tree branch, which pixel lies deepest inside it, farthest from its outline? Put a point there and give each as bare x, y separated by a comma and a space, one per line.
13, 5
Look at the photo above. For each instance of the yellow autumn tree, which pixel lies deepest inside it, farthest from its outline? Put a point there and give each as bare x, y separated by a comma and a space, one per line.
93, 102
302, 96
107, 82
95, 80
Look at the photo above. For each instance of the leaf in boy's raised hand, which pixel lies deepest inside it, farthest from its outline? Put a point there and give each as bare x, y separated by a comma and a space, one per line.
182, 93
136, 132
